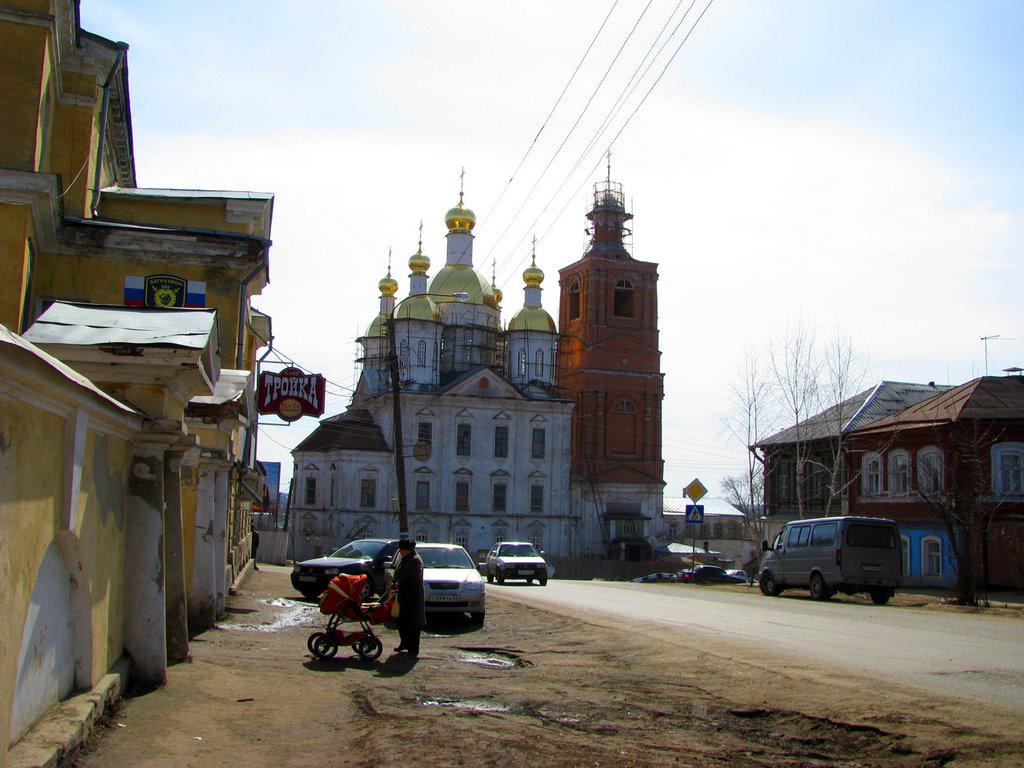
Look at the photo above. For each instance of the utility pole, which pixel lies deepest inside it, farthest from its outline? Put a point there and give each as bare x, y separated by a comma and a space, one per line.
396, 408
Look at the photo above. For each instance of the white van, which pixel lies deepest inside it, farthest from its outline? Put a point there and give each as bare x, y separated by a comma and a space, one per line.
835, 554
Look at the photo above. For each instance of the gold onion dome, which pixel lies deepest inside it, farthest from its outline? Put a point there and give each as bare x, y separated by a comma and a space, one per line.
460, 218
419, 262
498, 295
388, 285
533, 275
532, 319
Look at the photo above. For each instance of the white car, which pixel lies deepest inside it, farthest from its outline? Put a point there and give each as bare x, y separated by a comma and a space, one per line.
451, 582
516, 560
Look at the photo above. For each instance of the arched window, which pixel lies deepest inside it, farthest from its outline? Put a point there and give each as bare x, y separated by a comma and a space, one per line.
521, 363
1008, 469
623, 306
574, 301
538, 364
899, 472
871, 474
421, 352
929, 471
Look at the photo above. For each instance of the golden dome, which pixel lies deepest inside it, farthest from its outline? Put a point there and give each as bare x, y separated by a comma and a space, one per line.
533, 275
462, 278
498, 295
419, 262
460, 218
532, 319
417, 308
388, 285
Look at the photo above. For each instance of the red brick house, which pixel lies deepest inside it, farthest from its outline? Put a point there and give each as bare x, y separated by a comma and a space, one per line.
950, 469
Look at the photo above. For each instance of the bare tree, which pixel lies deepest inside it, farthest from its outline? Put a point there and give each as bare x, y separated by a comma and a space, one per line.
750, 419
796, 369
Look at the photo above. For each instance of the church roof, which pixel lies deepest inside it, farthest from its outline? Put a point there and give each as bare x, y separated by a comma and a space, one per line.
353, 430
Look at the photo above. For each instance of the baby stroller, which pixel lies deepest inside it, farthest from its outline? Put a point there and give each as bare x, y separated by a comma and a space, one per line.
341, 601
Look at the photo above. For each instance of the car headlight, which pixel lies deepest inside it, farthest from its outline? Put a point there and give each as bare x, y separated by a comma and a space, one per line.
473, 586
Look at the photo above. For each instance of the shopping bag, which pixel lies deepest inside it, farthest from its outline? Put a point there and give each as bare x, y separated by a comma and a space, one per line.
395, 609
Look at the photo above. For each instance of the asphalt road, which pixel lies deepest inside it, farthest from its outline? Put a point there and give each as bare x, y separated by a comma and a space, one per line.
951, 653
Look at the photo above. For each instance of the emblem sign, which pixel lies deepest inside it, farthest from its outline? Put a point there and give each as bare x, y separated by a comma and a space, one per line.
291, 394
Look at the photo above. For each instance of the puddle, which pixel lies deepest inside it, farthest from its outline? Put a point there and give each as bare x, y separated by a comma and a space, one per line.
294, 614
491, 657
473, 705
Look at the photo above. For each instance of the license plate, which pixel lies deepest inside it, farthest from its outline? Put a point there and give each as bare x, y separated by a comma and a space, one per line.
445, 598
307, 578
526, 572
871, 568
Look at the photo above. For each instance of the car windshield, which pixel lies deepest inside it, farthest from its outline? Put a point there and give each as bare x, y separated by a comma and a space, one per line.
364, 549
517, 550
445, 558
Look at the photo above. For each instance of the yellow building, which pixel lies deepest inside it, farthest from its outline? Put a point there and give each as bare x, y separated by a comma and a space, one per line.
82, 249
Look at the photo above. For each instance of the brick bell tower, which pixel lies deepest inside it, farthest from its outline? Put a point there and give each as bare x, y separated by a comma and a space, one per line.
610, 365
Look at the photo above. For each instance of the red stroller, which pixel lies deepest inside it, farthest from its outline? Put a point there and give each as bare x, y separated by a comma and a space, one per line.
341, 602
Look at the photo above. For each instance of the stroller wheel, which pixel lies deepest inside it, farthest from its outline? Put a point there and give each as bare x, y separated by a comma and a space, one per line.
310, 641
323, 645
369, 647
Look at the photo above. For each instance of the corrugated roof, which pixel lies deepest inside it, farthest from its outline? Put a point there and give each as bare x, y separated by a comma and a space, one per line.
93, 324
864, 408
989, 398
714, 507
352, 430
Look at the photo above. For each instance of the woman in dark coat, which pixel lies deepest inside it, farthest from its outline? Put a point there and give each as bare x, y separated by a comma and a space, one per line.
408, 583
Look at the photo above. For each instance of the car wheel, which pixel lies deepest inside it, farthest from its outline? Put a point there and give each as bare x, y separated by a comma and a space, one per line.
324, 646
529, 580
768, 585
490, 577
477, 617
818, 589
311, 595
369, 647
501, 577
880, 596
543, 581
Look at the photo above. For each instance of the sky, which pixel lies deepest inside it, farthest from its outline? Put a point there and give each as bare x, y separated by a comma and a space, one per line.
852, 166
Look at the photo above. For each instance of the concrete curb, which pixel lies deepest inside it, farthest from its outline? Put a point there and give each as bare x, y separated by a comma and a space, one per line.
58, 736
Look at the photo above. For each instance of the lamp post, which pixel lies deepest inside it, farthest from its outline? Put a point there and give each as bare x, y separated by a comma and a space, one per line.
396, 407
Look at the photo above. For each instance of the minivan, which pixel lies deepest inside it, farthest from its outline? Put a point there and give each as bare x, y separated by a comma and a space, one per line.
834, 554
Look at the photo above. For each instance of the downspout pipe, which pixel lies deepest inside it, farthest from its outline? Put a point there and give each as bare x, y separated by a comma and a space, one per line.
122, 52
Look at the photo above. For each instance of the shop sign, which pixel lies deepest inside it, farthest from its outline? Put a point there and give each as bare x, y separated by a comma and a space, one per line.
291, 394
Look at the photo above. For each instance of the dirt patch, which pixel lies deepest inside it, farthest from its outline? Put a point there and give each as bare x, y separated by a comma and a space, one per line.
529, 688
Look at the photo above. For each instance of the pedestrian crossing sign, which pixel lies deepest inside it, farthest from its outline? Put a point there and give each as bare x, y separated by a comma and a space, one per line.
695, 513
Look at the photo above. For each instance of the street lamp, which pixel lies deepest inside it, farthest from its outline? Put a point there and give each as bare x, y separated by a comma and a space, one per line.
396, 407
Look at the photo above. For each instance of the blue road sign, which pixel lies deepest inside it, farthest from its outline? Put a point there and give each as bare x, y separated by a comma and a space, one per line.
695, 513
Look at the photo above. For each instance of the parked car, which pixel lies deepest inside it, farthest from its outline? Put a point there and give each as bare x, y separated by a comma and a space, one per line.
451, 582
708, 574
654, 577
369, 556
738, 572
516, 560
835, 554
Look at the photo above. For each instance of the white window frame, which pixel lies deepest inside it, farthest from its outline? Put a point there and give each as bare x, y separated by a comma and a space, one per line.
927, 556
929, 482
899, 477
1000, 453
867, 487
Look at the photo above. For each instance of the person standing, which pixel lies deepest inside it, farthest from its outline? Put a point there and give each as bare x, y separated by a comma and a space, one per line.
255, 547
408, 585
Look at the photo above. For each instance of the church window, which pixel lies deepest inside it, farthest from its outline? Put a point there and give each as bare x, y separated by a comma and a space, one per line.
538, 365
462, 497
367, 492
624, 299
536, 499
539, 439
501, 442
574, 301
421, 352
422, 494
309, 499
622, 429
499, 496
521, 364
463, 439
425, 433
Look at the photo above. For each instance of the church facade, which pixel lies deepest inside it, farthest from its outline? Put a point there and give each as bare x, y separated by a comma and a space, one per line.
498, 421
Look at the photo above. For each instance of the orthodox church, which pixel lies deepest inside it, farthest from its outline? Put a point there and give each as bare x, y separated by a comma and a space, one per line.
508, 432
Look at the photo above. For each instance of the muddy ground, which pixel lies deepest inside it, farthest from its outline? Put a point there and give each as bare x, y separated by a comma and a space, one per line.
530, 688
